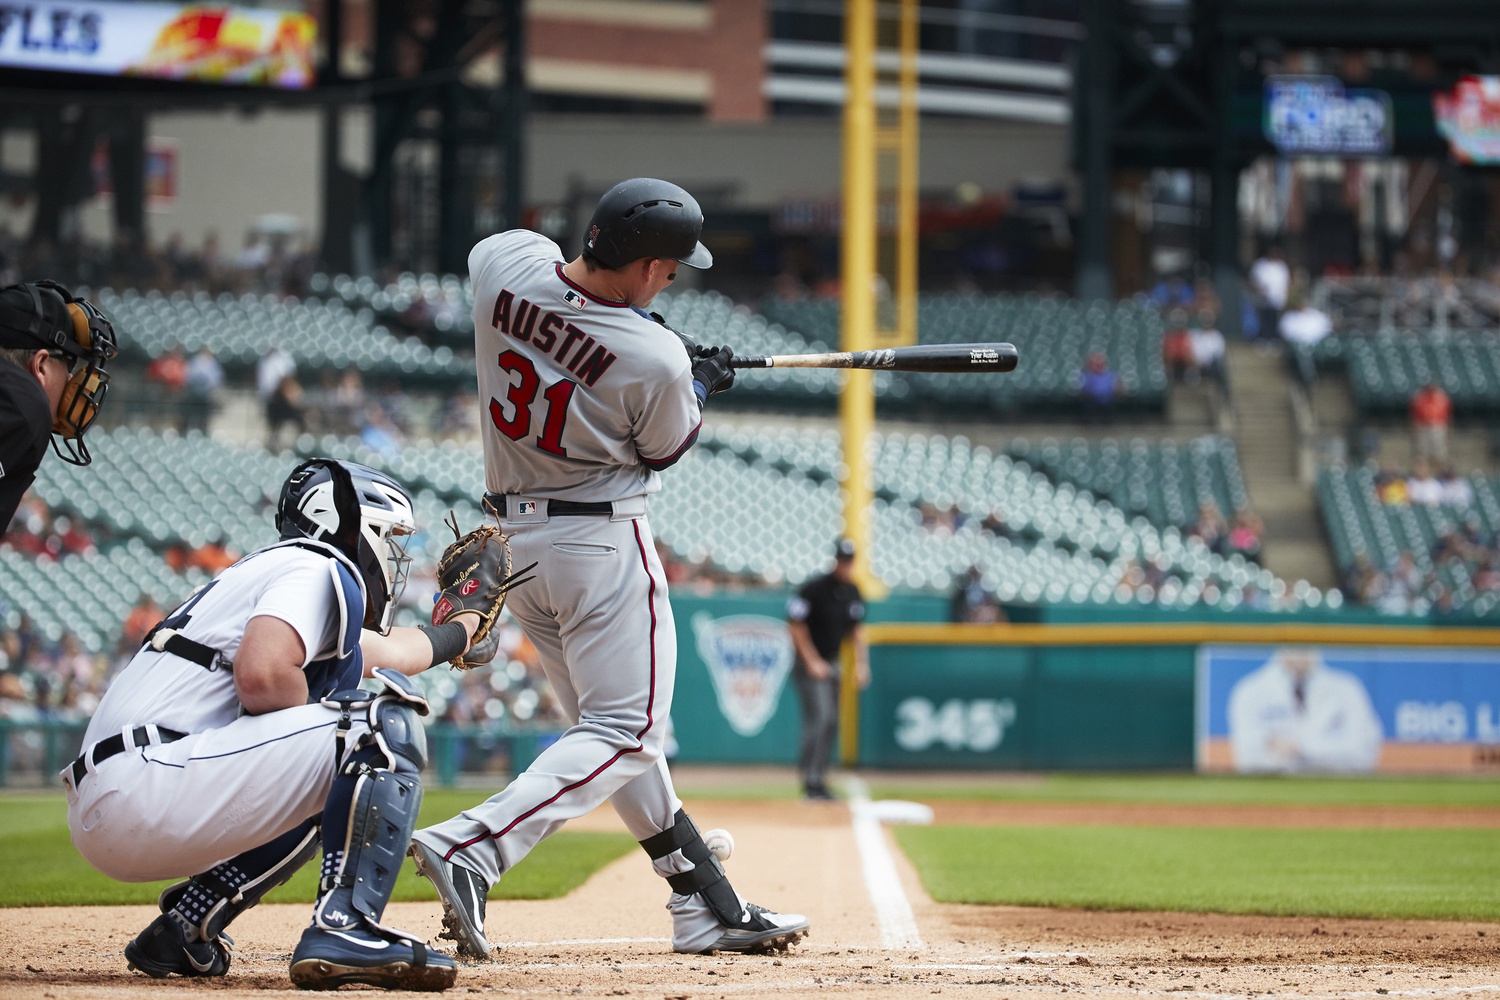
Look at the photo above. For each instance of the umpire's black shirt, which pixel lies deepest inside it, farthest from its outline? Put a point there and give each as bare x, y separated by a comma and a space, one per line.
25, 429
831, 609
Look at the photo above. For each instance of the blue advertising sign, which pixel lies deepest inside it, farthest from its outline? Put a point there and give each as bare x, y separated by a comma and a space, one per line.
1315, 114
1347, 709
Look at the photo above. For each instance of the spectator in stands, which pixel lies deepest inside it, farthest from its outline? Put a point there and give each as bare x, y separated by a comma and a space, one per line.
1486, 576
1303, 327
1098, 388
1390, 488
1422, 487
1270, 280
213, 556
282, 408
1177, 345
994, 523
205, 377
1456, 490
394, 402
140, 620
1453, 549
1207, 349
168, 372
1210, 527
68, 538
274, 366
1431, 415
379, 434
1362, 582
347, 412
1172, 290
972, 602
1403, 585
1245, 536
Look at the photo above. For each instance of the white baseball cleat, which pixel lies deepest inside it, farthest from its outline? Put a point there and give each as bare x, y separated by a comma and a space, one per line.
760, 931
463, 894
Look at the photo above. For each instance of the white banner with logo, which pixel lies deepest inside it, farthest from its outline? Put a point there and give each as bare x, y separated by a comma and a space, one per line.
214, 43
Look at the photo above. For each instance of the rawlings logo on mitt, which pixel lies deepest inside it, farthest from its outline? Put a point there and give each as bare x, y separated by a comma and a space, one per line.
474, 574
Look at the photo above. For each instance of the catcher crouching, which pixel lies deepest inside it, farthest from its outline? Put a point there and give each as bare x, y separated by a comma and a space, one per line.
237, 741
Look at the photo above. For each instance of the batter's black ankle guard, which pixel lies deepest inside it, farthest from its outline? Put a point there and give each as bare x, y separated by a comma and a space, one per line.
706, 878
210, 901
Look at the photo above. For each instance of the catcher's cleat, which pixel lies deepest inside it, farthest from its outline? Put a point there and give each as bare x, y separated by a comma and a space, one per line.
163, 949
463, 894
759, 932
327, 959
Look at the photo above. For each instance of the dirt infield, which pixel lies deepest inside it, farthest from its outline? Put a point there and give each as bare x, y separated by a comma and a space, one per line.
609, 938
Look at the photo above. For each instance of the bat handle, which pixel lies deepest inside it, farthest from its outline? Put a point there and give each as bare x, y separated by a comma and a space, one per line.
754, 361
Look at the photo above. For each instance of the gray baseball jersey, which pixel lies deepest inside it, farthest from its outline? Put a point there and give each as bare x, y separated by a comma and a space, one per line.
583, 397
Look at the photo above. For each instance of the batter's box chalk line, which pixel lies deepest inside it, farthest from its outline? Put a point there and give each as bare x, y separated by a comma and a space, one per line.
898, 926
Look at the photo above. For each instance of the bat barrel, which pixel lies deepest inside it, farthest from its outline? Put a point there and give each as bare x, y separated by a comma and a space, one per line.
941, 358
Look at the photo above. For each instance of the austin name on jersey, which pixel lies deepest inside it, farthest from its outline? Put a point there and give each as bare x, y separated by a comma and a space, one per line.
553, 335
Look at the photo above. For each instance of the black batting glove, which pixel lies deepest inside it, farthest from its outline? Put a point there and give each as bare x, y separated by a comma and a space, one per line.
711, 369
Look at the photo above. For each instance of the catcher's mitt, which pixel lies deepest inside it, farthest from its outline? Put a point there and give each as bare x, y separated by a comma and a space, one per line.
474, 574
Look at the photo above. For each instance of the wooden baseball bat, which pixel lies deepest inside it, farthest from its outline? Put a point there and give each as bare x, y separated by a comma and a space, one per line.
926, 358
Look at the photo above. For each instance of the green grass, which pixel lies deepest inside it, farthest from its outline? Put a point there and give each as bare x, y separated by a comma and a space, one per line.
43, 869
1437, 874
1200, 789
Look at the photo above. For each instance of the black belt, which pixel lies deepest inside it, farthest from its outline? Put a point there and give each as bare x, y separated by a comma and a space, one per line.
114, 745
557, 508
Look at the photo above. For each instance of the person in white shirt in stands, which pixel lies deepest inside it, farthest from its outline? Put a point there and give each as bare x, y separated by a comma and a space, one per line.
1270, 278
1456, 490
1207, 345
1303, 327
1422, 487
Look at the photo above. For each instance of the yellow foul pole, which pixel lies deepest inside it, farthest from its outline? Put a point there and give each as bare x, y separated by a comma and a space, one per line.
857, 401
906, 241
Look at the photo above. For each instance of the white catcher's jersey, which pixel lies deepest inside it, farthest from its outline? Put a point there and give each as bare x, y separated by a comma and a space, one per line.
179, 694
582, 397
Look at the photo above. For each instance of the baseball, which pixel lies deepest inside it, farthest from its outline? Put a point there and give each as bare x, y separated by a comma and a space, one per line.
720, 844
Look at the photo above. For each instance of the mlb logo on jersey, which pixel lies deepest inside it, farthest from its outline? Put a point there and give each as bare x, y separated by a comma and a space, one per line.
524, 507
575, 300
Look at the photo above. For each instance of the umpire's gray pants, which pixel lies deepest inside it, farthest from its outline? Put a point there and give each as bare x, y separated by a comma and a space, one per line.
820, 717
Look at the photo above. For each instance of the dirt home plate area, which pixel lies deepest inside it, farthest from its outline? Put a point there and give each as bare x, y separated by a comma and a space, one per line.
610, 937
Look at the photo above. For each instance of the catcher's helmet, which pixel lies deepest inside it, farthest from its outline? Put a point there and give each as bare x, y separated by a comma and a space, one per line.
645, 217
363, 513
43, 315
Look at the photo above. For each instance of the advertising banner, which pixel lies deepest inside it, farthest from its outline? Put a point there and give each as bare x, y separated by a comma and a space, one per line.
210, 43
1469, 118
1348, 709
1316, 114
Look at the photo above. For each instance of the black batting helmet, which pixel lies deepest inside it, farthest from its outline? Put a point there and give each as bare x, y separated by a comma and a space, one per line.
646, 217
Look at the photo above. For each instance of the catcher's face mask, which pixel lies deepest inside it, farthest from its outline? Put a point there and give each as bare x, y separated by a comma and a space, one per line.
394, 572
86, 343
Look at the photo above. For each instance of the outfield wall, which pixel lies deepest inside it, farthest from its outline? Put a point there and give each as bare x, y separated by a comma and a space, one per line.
1069, 695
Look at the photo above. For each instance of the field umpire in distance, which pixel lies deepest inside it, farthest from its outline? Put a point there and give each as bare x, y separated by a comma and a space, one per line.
825, 612
53, 349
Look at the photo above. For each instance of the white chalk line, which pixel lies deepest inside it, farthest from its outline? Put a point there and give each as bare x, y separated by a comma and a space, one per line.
584, 941
898, 926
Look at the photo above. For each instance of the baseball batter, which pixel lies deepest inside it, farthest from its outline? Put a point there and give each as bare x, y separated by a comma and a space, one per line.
586, 397
238, 738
